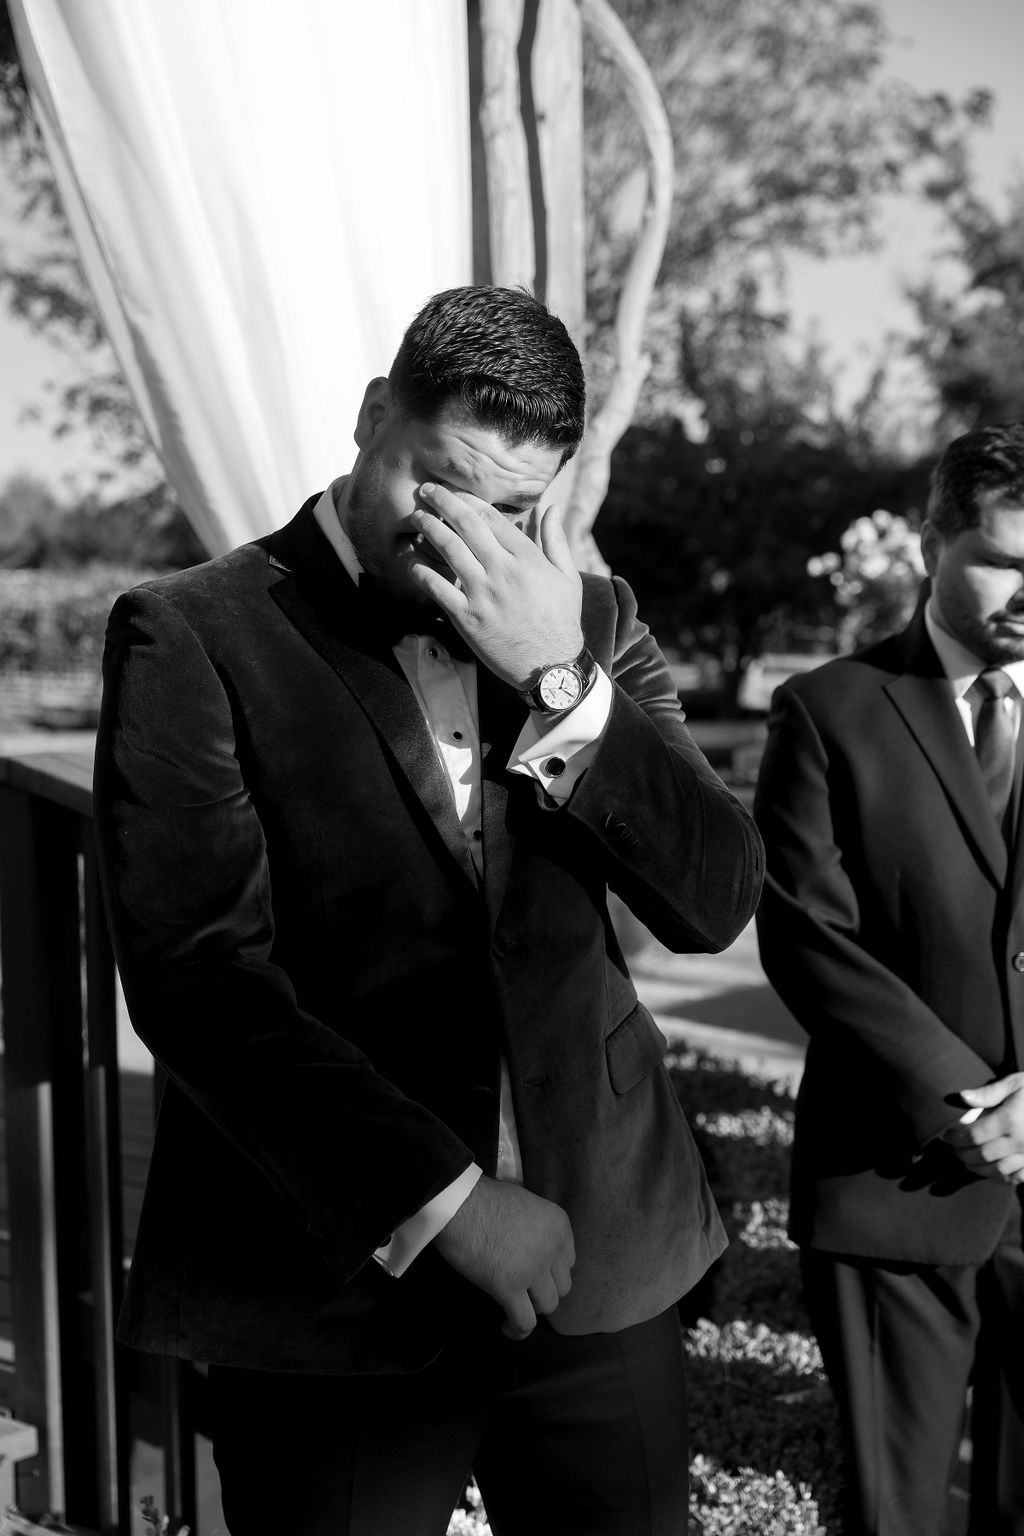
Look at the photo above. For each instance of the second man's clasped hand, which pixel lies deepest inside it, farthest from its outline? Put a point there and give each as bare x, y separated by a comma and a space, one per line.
989, 1140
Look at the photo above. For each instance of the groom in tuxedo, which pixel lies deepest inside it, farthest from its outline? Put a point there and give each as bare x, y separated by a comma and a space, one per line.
421, 1194
893, 926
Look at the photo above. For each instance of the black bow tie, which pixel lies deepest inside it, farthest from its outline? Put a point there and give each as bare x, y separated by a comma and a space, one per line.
395, 617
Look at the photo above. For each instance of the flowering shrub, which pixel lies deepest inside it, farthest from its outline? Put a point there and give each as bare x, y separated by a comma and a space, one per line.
764, 1437
471, 1518
160, 1524
767, 1504
877, 577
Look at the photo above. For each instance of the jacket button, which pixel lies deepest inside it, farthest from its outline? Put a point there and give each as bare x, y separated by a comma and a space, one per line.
1018, 960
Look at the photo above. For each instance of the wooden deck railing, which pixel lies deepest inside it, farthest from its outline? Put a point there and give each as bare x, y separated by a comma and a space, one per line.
73, 1178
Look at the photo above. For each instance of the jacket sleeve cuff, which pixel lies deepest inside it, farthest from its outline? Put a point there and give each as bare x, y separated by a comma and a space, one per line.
409, 1240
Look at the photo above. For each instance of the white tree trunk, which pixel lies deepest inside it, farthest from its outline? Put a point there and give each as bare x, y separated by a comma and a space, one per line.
632, 363
514, 208
509, 203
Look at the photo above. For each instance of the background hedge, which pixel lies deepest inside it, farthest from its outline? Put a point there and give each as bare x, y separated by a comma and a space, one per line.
54, 621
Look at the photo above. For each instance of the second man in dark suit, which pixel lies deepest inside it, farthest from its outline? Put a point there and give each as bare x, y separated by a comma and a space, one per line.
893, 926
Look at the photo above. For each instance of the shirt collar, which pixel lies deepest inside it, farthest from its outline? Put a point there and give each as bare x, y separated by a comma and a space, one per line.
326, 514
960, 665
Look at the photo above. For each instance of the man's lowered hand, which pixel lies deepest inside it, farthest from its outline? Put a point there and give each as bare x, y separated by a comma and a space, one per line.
515, 1246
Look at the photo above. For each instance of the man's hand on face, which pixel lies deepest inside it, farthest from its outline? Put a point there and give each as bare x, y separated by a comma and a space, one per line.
513, 1245
990, 1138
521, 595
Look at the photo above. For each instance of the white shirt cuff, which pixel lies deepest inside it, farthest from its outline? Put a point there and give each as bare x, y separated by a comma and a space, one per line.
410, 1239
558, 752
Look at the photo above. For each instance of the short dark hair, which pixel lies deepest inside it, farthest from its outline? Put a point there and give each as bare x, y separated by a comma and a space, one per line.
980, 468
503, 356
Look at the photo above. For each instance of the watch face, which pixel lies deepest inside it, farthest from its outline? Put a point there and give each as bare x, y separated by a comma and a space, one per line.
560, 687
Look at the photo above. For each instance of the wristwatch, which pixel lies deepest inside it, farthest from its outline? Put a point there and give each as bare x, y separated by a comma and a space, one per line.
562, 685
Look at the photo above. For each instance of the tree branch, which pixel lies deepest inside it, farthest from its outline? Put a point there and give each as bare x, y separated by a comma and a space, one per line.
632, 364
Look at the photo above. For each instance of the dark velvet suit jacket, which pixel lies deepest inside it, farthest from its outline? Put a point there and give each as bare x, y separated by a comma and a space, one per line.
892, 925
305, 950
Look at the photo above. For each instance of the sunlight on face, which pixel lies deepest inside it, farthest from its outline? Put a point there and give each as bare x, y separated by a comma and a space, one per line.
978, 583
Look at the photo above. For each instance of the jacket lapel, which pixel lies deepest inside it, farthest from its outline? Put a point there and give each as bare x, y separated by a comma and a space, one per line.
923, 698
1017, 853
316, 593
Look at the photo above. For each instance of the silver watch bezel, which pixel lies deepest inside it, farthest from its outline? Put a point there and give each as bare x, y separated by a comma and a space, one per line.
583, 667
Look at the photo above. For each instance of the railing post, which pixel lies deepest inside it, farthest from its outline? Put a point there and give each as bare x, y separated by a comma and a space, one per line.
71, 1381
103, 1124
178, 1412
177, 1408
18, 1442
39, 933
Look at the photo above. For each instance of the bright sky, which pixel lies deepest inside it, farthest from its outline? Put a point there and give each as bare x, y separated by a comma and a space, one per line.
945, 45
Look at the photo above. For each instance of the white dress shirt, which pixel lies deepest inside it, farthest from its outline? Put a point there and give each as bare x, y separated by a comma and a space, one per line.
555, 754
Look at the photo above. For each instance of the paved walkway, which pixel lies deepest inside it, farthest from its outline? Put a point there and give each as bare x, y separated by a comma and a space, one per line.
723, 1004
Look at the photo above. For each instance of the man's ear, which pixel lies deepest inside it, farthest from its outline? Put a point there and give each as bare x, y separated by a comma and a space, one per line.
931, 544
373, 413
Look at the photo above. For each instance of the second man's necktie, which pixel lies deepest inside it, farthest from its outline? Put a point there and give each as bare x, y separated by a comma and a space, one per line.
995, 733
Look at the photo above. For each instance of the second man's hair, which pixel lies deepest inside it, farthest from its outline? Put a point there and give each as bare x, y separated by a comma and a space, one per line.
983, 467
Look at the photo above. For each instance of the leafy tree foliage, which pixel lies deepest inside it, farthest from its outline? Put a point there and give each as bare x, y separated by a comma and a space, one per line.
742, 467
144, 530
29, 517
42, 284
971, 342
787, 135
715, 529
716, 544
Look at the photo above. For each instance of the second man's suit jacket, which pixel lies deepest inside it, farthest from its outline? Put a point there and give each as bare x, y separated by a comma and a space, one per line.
892, 925
307, 952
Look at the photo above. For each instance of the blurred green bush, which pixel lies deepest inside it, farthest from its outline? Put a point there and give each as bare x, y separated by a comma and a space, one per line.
54, 621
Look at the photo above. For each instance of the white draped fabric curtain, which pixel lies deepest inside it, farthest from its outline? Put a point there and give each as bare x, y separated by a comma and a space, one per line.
262, 193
